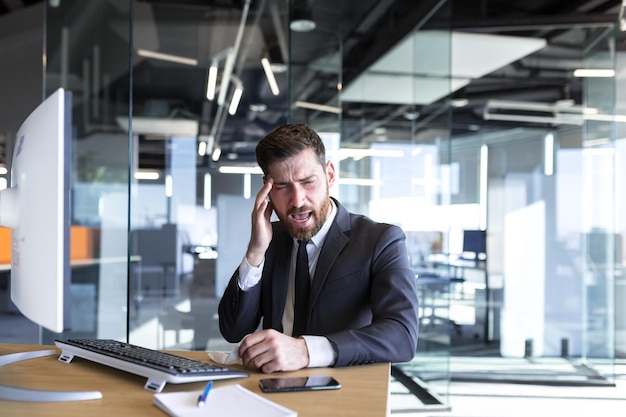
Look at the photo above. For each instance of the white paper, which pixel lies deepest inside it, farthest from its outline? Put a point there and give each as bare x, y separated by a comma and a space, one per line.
228, 401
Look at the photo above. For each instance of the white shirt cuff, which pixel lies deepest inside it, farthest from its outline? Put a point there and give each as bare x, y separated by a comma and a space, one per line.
321, 352
249, 276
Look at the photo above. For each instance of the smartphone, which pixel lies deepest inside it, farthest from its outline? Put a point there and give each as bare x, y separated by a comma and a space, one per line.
310, 383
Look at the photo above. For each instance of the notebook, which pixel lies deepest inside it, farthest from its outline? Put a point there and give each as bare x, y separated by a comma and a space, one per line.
227, 401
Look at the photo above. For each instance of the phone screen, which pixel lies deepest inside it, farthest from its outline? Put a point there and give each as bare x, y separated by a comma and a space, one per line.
310, 383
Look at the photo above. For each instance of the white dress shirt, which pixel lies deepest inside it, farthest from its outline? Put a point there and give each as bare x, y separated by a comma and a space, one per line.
321, 352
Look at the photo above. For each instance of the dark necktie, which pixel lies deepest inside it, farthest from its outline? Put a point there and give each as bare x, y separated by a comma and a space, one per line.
302, 286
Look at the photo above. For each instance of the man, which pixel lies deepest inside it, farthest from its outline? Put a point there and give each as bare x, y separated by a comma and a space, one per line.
362, 302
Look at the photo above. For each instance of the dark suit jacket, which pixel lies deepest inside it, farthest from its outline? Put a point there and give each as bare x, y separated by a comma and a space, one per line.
363, 295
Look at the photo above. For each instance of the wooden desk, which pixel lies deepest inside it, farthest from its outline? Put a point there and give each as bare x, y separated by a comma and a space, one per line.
364, 392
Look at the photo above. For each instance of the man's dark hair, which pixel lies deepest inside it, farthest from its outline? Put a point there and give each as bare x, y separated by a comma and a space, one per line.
286, 141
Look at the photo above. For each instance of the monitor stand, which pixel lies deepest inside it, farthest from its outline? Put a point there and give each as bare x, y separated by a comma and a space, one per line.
31, 395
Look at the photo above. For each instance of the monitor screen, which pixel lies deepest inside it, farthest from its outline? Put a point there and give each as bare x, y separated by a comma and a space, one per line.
603, 248
36, 207
475, 241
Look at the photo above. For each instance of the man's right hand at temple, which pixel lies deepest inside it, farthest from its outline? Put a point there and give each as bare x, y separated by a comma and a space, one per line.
261, 234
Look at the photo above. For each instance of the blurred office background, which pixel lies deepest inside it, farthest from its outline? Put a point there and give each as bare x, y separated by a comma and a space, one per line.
461, 121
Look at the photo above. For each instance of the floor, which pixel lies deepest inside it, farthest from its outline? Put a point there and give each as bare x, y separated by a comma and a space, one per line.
484, 384
513, 400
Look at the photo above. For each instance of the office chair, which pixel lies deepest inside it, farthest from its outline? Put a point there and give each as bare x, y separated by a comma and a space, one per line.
432, 286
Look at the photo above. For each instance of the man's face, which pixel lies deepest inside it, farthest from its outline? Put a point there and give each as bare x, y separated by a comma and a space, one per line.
300, 193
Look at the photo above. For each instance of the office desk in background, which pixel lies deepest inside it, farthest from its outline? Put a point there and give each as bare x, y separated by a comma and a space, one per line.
454, 269
364, 392
84, 271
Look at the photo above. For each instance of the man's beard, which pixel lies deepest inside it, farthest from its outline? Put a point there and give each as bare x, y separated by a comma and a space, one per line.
306, 233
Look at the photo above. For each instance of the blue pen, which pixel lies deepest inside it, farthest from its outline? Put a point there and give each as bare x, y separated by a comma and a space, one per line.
202, 397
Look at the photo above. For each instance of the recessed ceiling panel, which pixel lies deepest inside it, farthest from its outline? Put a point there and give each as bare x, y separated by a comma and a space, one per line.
406, 76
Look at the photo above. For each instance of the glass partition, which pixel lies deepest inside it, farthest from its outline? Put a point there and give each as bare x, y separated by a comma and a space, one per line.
395, 166
91, 61
169, 102
601, 234
549, 181
201, 101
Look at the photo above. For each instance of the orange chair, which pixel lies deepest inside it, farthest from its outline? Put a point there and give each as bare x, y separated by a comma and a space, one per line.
5, 245
82, 243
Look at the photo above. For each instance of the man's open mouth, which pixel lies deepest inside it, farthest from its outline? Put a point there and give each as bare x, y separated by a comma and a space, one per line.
301, 217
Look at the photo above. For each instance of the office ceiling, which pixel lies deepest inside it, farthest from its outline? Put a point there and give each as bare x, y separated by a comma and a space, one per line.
551, 35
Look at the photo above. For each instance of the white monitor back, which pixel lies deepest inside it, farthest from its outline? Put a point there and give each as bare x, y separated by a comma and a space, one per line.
37, 209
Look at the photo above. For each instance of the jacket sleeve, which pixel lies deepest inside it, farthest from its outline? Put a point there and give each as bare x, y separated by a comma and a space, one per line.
238, 310
392, 334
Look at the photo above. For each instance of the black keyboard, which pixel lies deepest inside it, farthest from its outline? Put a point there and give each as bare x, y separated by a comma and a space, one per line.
159, 367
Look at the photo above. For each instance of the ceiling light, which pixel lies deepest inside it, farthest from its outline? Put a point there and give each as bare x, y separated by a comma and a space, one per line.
302, 16
205, 144
320, 107
202, 148
302, 25
566, 102
163, 127
411, 115
269, 74
234, 101
207, 191
278, 68
216, 153
3, 170
607, 73
459, 102
227, 169
210, 88
169, 185
146, 175
258, 107
167, 57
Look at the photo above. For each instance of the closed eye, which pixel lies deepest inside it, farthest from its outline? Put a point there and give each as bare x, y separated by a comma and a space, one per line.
309, 180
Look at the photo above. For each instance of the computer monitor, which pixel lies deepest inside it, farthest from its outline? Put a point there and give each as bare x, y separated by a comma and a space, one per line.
475, 241
37, 209
604, 249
